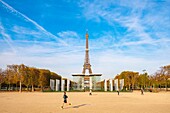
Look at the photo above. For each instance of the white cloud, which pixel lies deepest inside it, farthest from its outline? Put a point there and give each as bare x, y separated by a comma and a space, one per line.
66, 61
68, 34
25, 31
7, 38
133, 18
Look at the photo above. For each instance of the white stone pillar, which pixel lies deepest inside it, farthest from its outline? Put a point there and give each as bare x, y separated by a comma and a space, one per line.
52, 84
68, 85
105, 85
111, 85
82, 84
57, 85
79, 83
62, 84
116, 84
121, 83
90, 82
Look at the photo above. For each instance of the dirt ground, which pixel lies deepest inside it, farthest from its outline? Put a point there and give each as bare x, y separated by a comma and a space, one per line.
82, 102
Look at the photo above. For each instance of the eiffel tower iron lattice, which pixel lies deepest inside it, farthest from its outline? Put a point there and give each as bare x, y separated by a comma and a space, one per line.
87, 65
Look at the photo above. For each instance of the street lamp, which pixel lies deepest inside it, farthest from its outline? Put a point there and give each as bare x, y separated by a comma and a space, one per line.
144, 72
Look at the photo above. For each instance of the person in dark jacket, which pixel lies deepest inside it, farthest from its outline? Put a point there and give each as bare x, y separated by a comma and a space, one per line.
65, 100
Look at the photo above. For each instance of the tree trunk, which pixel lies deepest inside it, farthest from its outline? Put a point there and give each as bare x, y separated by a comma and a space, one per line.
129, 87
166, 86
9, 87
16, 87
133, 85
12, 87
32, 88
27, 88
41, 88
20, 86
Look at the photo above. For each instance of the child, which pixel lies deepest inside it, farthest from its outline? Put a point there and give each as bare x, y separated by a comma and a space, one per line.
65, 100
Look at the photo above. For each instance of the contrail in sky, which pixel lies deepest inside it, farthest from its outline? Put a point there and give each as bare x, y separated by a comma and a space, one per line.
32, 21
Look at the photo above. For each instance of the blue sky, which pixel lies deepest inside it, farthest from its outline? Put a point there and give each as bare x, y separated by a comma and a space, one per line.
50, 34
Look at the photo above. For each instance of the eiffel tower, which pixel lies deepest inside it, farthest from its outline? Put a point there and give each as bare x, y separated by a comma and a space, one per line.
87, 65
85, 81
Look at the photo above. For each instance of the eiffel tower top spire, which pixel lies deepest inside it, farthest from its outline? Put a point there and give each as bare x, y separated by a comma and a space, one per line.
87, 59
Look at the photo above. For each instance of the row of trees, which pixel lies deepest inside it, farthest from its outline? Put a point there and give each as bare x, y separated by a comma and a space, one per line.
134, 80
17, 76
14, 77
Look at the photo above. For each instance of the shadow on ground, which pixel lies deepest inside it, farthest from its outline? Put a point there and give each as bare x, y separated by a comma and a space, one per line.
77, 106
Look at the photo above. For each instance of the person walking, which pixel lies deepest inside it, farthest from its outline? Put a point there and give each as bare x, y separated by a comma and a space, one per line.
65, 100
142, 91
118, 92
